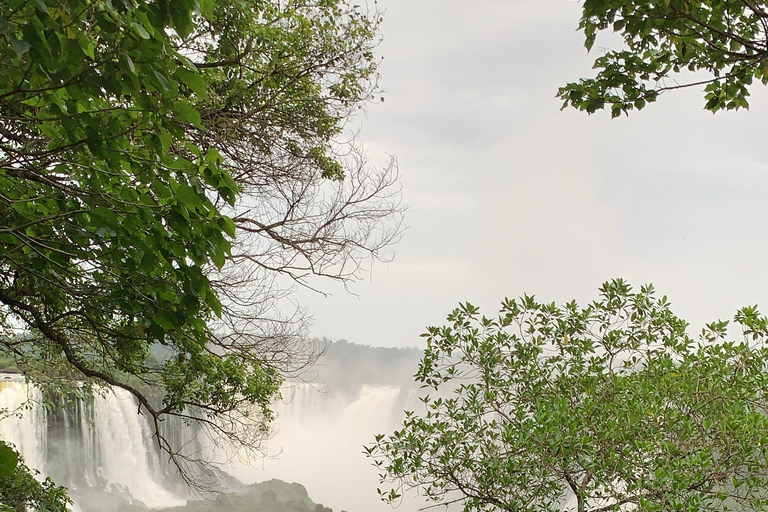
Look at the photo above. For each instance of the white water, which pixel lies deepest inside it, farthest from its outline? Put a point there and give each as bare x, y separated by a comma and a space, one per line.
320, 442
24, 423
113, 449
131, 465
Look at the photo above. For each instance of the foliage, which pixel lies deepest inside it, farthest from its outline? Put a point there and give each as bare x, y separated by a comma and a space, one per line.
8, 365
20, 491
168, 171
269, 496
606, 407
724, 40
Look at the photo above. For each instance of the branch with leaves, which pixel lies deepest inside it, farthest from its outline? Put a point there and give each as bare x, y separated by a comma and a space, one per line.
169, 171
669, 45
600, 408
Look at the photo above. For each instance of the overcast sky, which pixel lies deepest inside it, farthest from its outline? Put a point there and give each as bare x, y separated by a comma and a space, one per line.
509, 195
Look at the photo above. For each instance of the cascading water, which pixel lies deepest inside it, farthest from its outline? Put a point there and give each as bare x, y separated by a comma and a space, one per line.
26, 425
102, 443
319, 442
130, 463
97, 443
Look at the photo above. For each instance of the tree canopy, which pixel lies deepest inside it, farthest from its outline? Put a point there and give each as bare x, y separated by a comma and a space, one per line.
606, 407
169, 171
671, 44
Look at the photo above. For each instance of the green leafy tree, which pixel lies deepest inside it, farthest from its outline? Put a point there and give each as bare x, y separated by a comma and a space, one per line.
606, 407
169, 170
723, 42
20, 491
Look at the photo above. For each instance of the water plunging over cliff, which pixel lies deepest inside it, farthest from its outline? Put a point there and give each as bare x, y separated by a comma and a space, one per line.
102, 444
319, 442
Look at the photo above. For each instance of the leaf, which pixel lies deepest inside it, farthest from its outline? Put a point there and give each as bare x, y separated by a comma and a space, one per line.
213, 301
5, 26
187, 196
194, 81
104, 213
19, 46
42, 6
130, 63
9, 459
218, 257
228, 225
206, 9
186, 113
165, 138
181, 17
86, 45
141, 31
164, 83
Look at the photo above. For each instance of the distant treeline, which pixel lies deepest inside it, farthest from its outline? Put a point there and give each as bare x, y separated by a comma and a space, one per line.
348, 364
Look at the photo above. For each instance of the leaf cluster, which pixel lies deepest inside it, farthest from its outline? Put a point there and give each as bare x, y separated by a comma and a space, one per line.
723, 41
606, 407
21, 491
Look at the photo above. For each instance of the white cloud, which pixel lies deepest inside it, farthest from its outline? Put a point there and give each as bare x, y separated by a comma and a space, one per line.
510, 195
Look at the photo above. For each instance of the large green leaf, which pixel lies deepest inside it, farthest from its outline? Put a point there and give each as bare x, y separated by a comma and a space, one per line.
9, 459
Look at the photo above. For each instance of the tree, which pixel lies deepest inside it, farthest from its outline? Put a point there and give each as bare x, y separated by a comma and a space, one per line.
169, 171
723, 42
20, 491
607, 407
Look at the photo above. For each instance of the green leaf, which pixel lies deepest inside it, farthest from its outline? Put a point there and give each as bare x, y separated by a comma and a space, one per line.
9, 459
213, 302
131, 65
165, 138
181, 17
104, 213
42, 6
5, 26
164, 83
86, 45
218, 257
19, 46
206, 9
194, 81
186, 113
141, 31
187, 196
228, 226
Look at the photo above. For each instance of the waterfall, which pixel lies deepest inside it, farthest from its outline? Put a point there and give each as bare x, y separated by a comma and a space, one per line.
100, 443
130, 462
25, 425
320, 433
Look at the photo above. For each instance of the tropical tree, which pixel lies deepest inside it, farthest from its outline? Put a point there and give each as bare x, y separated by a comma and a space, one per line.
669, 45
606, 407
169, 172
20, 491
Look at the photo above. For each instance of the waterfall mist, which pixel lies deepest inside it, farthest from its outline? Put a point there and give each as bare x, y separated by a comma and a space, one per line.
320, 438
354, 393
